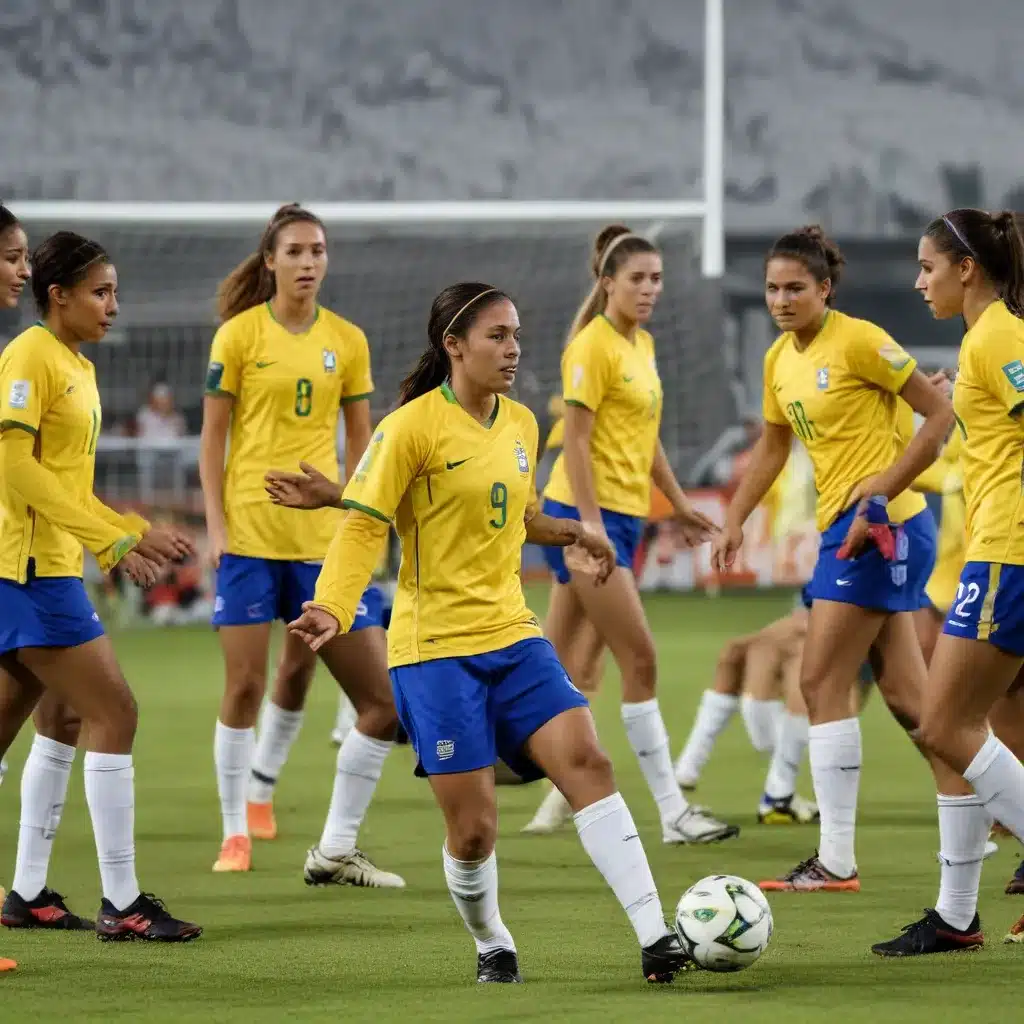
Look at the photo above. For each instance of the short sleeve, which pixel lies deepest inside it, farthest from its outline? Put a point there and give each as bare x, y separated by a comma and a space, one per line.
874, 357
224, 371
26, 386
358, 381
586, 372
770, 408
1002, 370
391, 462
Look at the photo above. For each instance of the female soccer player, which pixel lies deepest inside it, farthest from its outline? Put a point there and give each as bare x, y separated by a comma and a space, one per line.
833, 381
613, 399
474, 679
972, 265
50, 636
280, 369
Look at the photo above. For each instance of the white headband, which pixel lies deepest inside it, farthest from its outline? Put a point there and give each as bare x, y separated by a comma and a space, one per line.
610, 246
486, 291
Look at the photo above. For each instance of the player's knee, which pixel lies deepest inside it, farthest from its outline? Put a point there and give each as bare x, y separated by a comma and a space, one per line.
244, 691
730, 663
640, 671
472, 836
58, 721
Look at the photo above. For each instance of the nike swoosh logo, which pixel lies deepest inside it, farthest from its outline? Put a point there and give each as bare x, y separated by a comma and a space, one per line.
628, 380
844, 583
455, 465
263, 366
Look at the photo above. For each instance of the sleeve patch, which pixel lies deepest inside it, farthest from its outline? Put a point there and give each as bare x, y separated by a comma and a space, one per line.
1014, 373
895, 356
214, 375
577, 376
18, 397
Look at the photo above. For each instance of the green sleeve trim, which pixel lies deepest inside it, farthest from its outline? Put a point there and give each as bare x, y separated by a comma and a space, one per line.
8, 424
219, 393
348, 503
356, 398
579, 405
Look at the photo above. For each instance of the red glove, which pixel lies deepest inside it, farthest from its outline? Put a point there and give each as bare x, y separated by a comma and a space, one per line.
880, 532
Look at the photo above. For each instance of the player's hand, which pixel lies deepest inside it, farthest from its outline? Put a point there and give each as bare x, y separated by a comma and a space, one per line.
943, 380
870, 526
309, 489
142, 571
592, 554
162, 544
216, 544
315, 626
694, 528
724, 546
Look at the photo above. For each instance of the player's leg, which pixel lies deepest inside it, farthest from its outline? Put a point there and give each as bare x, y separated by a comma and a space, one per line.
1007, 721
716, 708
279, 725
358, 661
761, 703
246, 606
543, 724
616, 610
87, 677
44, 784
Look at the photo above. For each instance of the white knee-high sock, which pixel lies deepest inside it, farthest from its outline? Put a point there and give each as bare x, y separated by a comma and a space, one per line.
835, 753
277, 732
963, 832
761, 717
232, 756
787, 756
360, 762
610, 837
648, 737
712, 717
473, 885
44, 785
998, 778
110, 793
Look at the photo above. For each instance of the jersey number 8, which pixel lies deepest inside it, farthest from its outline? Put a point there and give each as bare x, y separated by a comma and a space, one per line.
303, 396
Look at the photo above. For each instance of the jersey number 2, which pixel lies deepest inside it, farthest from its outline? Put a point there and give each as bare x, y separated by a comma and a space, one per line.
303, 396
499, 502
965, 597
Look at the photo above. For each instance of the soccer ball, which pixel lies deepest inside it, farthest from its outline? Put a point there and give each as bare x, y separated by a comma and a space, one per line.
724, 922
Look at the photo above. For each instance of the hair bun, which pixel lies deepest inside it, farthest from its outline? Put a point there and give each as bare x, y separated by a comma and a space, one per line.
605, 237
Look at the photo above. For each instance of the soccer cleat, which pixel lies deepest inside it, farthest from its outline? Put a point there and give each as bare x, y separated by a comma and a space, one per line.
696, 825
147, 919
811, 876
353, 868
235, 855
663, 960
1015, 887
686, 780
787, 810
932, 935
499, 966
553, 813
262, 823
47, 910
1016, 933
7, 965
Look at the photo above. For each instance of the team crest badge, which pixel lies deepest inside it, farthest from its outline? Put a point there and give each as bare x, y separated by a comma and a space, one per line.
823, 379
330, 360
522, 458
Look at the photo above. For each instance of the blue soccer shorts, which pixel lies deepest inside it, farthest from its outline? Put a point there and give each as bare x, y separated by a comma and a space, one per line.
47, 611
625, 533
989, 606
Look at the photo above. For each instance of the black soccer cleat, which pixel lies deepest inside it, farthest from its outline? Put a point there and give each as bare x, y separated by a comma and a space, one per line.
147, 919
1015, 887
661, 961
932, 935
47, 910
499, 966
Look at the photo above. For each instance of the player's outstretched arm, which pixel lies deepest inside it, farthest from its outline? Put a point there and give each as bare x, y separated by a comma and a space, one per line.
695, 527
589, 550
28, 481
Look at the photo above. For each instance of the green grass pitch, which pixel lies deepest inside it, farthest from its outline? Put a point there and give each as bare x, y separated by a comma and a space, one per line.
274, 950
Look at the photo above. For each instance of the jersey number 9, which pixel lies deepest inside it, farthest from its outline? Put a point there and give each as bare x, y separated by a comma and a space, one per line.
303, 396
499, 502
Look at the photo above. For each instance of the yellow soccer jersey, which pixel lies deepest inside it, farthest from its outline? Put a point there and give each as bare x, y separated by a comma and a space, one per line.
839, 396
618, 381
457, 492
988, 399
556, 436
50, 391
288, 389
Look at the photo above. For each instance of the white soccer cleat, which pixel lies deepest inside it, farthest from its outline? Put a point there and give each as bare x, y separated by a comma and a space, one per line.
686, 779
554, 812
695, 825
354, 868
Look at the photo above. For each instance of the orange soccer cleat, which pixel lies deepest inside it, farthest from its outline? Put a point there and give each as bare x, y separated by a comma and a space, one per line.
262, 823
6, 965
811, 876
235, 855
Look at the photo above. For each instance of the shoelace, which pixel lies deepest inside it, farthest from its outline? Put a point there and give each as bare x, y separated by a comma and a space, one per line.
809, 866
157, 903
54, 899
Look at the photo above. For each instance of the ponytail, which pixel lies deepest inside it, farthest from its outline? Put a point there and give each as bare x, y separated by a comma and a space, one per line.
612, 247
430, 372
252, 283
1007, 229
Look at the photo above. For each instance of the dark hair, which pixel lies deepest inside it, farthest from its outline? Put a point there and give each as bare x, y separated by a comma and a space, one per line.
7, 219
993, 241
820, 256
251, 283
62, 259
454, 311
613, 246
